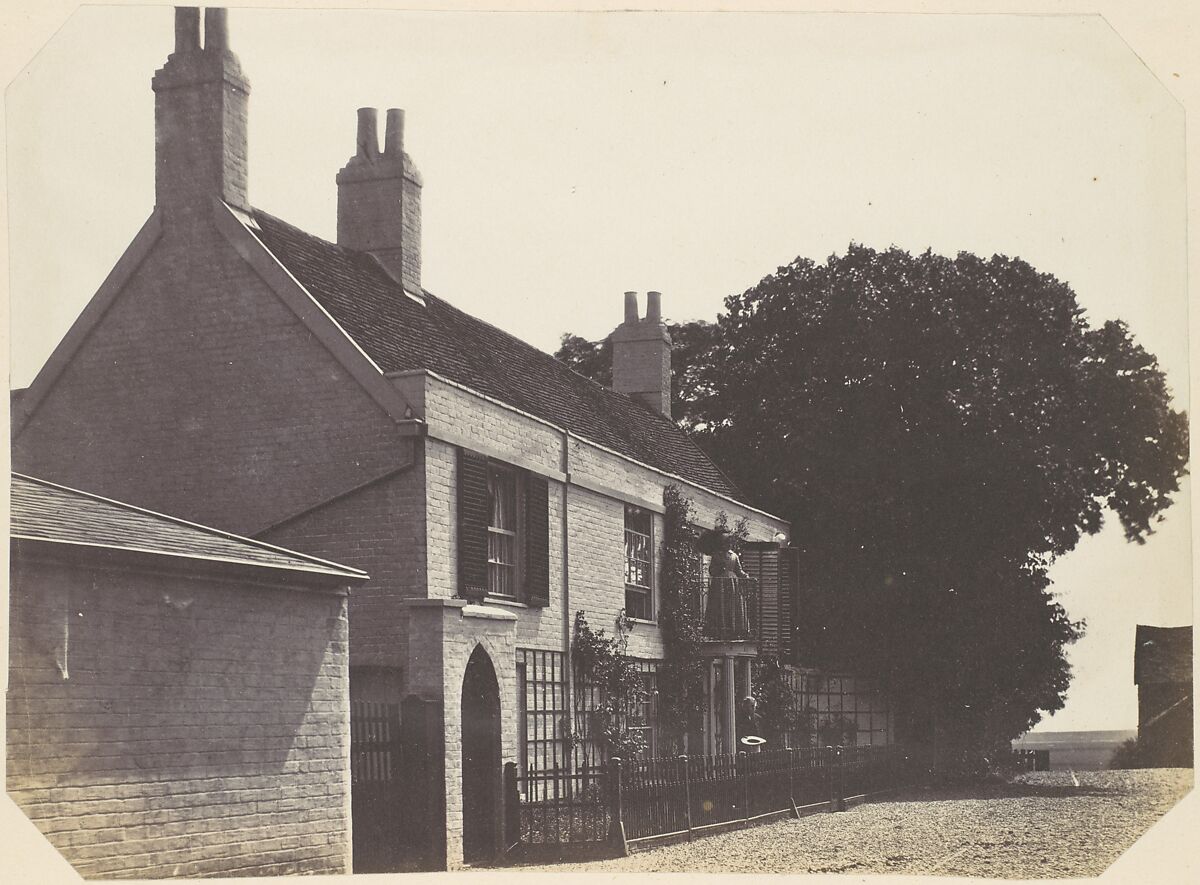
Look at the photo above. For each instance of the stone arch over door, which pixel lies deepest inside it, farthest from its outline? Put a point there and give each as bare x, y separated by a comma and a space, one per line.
481, 773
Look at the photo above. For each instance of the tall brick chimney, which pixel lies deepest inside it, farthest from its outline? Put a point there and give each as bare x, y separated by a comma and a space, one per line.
200, 102
379, 200
642, 354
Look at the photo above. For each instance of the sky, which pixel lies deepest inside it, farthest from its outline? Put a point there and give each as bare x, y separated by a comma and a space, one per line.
570, 157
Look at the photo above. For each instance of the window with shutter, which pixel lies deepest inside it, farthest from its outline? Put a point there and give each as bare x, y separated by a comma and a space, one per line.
504, 560
504, 531
473, 517
537, 541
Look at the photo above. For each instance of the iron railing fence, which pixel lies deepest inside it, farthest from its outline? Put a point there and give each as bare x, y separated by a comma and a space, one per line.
557, 808
644, 800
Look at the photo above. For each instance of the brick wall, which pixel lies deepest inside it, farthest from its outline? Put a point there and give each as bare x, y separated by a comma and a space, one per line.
200, 123
455, 414
462, 636
203, 729
597, 568
200, 394
595, 512
379, 529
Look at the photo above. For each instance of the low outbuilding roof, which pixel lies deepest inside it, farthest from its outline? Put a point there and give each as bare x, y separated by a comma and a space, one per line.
44, 513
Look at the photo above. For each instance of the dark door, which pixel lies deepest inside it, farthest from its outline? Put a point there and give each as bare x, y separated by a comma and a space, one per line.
480, 760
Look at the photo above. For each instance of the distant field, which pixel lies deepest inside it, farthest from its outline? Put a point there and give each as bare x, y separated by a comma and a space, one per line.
1076, 750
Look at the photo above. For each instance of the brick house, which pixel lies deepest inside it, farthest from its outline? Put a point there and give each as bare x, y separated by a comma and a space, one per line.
1162, 670
177, 700
242, 373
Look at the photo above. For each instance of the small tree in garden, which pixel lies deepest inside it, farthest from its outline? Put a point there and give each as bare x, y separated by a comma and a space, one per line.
600, 663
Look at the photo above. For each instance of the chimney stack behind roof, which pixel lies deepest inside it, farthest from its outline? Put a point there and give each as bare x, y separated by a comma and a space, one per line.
642, 354
379, 200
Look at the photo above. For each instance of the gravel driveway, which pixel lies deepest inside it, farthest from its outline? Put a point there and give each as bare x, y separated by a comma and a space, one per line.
1042, 825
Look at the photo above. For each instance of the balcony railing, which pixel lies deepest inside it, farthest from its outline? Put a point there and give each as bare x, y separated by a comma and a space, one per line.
728, 608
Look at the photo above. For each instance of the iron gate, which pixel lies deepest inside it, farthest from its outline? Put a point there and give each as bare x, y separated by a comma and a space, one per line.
376, 790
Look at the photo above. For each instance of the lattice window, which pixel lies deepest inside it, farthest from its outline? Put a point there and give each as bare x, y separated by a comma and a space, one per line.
846, 709
644, 716
543, 714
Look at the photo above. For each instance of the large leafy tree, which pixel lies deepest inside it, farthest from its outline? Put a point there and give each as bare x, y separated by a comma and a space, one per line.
938, 431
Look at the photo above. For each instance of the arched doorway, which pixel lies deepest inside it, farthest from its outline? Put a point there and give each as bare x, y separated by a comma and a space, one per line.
481, 780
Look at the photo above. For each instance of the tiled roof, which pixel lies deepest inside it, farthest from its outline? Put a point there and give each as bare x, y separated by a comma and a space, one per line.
401, 335
43, 511
1162, 654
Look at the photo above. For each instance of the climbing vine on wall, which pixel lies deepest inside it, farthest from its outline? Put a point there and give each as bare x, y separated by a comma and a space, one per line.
682, 672
608, 689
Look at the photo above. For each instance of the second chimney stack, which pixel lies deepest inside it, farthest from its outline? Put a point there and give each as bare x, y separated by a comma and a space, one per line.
379, 199
642, 354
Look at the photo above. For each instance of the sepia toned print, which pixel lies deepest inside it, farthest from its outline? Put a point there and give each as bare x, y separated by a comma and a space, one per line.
314, 570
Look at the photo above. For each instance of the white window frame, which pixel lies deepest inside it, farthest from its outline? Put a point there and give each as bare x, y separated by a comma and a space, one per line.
515, 535
647, 589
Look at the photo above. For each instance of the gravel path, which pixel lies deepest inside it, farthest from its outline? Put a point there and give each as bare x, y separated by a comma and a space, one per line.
1042, 825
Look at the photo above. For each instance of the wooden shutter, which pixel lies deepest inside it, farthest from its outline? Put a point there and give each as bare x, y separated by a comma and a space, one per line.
472, 525
537, 540
790, 598
761, 561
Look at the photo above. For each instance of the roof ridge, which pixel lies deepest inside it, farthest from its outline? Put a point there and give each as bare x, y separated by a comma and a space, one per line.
400, 334
541, 354
206, 529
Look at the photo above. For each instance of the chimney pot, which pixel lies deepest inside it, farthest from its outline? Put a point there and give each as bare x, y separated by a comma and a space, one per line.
368, 133
187, 29
393, 138
216, 28
631, 307
654, 307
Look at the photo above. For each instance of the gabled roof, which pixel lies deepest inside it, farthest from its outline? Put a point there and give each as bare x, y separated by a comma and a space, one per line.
1162, 654
400, 334
46, 513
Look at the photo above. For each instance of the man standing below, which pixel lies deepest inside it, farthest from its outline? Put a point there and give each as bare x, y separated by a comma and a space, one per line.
748, 726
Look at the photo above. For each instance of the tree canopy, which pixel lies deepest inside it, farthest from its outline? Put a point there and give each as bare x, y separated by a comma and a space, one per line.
937, 431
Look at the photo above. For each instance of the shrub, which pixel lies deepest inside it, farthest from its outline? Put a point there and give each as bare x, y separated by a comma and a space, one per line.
1129, 754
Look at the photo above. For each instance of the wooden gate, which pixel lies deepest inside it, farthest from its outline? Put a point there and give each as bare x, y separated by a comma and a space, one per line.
376, 788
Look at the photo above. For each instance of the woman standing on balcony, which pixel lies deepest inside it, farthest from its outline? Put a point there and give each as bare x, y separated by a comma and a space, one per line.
725, 614
724, 562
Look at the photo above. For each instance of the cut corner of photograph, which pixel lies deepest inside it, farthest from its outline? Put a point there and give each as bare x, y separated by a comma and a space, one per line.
599, 442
